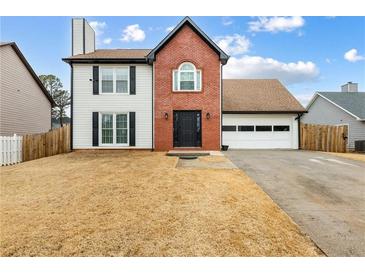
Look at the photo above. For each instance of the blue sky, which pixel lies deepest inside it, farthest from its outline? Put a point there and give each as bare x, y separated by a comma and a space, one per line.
306, 53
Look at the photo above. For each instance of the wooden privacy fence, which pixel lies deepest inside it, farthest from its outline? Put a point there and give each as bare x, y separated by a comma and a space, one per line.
324, 137
47, 144
10, 150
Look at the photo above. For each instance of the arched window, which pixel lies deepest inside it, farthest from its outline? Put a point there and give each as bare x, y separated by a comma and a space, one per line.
187, 78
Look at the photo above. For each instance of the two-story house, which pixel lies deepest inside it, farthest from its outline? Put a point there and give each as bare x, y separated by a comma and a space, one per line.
169, 97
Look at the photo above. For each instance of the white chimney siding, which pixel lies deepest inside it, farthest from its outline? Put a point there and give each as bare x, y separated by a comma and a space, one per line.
349, 87
83, 37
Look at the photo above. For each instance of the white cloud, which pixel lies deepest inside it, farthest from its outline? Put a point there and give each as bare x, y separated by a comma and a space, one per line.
107, 41
260, 67
226, 21
276, 24
233, 44
133, 33
170, 28
352, 56
328, 61
98, 27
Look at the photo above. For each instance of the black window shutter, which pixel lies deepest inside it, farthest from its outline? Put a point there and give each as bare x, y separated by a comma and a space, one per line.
132, 80
132, 128
95, 129
95, 80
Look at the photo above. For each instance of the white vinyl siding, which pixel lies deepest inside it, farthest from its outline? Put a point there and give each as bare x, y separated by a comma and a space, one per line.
85, 103
325, 113
24, 108
257, 131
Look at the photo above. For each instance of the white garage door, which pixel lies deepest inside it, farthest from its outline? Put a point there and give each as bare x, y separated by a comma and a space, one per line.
260, 131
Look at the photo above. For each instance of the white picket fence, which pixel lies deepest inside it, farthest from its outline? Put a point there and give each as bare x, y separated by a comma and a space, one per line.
10, 149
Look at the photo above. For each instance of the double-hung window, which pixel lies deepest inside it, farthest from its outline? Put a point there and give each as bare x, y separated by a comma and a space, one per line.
114, 129
114, 80
187, 78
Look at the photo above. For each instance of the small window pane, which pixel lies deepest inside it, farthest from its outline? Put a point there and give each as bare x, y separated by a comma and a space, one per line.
281, 128
198, 80
263, 128
186, 76
246, 128
107, 80
187, 66
228, 128
121, 80
186, 85
122, 128
107, 129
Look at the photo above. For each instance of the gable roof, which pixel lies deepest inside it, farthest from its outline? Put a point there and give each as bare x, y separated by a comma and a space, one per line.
187, 21
29, 68
258, 96
110, 55
351, 102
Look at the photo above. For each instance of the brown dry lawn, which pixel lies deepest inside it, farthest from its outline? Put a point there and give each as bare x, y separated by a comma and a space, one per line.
349, 155
139, 204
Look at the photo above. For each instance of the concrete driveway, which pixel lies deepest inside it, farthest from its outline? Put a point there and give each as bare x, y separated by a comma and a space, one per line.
324, 194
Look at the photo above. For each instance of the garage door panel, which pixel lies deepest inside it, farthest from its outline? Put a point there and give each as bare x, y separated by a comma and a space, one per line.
260, 139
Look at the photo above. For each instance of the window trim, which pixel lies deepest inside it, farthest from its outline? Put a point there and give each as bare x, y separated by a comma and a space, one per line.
195, 78
114, 80
114, 144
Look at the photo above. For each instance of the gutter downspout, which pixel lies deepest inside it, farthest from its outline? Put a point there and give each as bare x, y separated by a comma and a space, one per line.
152, 110
220, 130
72, 107
298, 118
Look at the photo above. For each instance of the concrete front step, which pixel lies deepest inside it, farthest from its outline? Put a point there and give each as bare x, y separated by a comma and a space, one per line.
179, 153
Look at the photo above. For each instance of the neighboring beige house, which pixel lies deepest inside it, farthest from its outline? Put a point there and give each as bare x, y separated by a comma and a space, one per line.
25, 104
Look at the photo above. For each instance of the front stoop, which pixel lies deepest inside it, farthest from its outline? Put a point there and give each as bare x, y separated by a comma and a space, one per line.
179, 153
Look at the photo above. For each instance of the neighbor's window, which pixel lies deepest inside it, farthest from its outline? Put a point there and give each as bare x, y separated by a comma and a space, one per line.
187, 78
114, 79
246, 128
281, 128
228, 128
263, 128
114, 128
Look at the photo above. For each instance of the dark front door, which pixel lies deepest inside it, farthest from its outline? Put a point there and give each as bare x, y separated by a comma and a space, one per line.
187, 128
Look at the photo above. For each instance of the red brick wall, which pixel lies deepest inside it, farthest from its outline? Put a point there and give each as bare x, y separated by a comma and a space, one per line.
187, 46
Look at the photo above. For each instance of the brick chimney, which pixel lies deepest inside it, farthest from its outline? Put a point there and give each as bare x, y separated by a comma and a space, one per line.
83, 37
349, 87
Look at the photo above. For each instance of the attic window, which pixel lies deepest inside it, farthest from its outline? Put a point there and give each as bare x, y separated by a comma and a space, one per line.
186, 78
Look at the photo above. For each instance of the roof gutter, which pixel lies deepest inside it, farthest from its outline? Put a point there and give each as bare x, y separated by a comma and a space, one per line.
266, 112
106, 61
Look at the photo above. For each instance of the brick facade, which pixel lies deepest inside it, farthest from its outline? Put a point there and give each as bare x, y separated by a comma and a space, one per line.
187, 46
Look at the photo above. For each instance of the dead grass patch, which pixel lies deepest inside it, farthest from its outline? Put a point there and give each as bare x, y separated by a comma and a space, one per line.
138, 204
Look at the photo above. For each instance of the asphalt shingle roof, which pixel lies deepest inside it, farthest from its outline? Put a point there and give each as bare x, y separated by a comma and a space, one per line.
353, 102
258, 95
112, 54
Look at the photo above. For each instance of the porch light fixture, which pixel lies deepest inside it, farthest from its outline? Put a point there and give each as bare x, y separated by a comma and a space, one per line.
208, 115
166, 116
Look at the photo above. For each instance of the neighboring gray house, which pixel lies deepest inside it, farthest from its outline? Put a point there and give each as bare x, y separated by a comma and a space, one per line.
339, 108
25, 104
